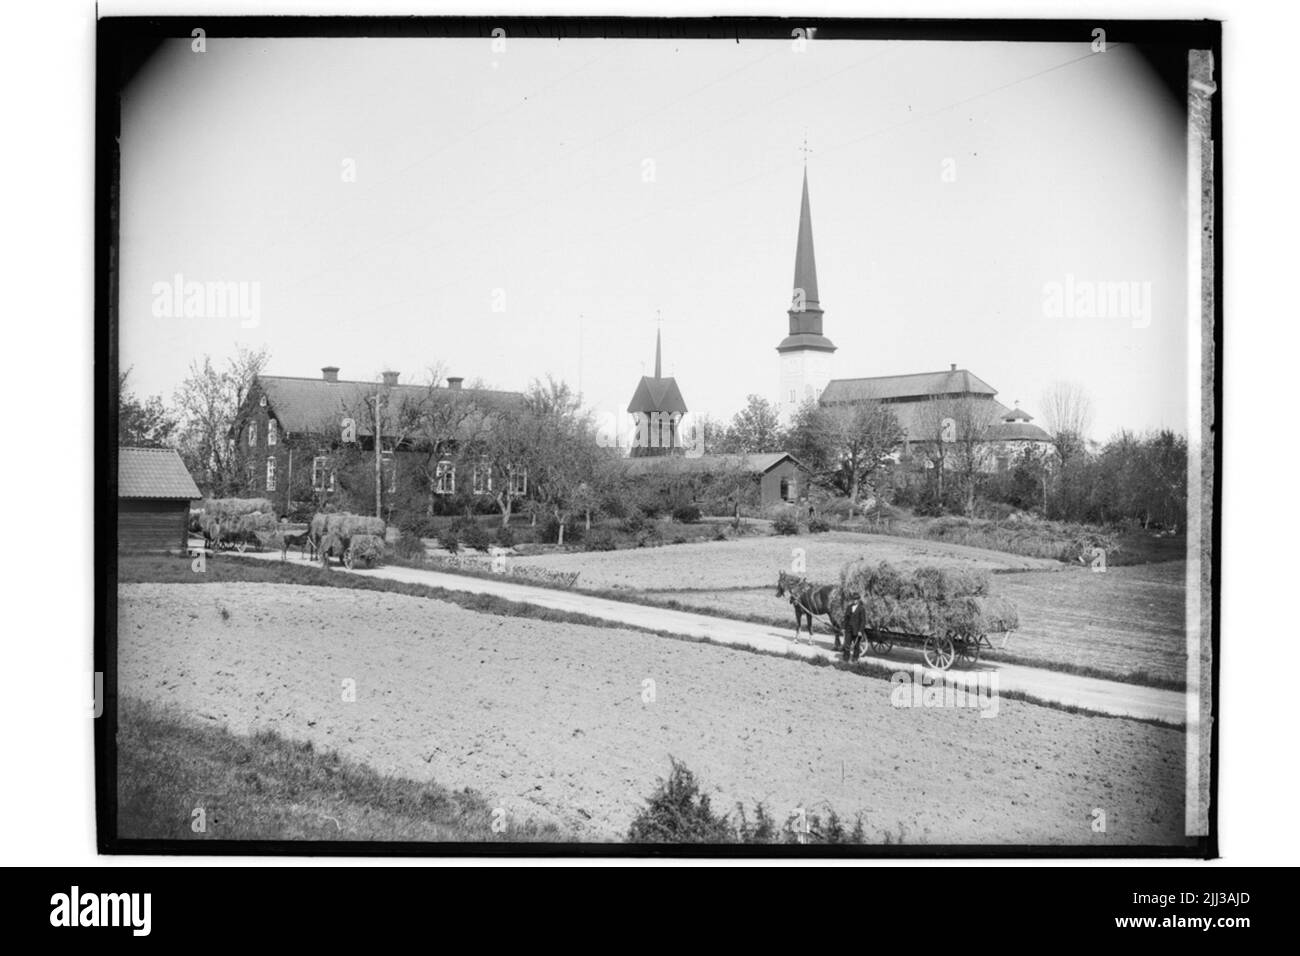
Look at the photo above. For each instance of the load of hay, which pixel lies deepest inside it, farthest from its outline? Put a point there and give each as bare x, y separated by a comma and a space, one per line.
927, 600
236, 507
339, 530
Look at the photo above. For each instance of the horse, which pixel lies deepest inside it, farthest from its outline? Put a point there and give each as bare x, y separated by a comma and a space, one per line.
300, 541
809, 599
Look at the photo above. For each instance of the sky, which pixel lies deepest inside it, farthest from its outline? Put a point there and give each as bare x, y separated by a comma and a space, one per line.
509, 214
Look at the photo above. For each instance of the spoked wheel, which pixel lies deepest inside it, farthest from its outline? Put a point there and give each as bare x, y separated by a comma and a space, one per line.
968, 649
879, 643
348, 559
940, 652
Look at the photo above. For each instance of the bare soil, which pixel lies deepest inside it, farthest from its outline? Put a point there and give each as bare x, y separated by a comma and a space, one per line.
549, 721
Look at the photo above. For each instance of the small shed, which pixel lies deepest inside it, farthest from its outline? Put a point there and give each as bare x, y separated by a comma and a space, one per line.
154, 491
776, 477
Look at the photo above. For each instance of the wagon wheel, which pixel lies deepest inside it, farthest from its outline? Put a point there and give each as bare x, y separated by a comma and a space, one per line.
968, 649
348, 559
940, 652
879, 643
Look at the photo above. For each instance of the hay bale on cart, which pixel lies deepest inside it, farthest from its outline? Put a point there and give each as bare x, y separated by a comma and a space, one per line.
223, 523
949, 613
351, 538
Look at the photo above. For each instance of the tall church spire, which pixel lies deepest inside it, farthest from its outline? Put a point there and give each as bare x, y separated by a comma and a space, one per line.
658, 367
805, 261
805, 302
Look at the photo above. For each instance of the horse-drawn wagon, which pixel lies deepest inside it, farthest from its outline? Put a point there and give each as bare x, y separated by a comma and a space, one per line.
238, 523
351, 538
947, 614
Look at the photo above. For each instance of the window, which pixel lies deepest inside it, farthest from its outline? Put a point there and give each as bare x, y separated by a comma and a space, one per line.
252, 434
517, 481
272, 431
482, 478
444, 479
389, 466
250, 470
270, 473
786, 494
322, 477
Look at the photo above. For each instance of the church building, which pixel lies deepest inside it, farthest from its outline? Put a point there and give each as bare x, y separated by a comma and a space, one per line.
806, 354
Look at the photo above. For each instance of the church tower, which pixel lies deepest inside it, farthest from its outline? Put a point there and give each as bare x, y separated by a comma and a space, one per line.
805, 354
657, 408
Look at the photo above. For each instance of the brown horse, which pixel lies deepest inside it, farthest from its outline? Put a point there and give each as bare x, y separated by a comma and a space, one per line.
808, 600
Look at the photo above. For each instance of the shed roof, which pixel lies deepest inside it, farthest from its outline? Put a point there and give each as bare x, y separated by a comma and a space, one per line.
758, 464
153, 473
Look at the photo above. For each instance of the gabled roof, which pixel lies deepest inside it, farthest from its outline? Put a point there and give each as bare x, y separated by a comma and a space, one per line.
758, 464
897, 388
309, 405
657, 395
153, 473
1016, 431
1017, 414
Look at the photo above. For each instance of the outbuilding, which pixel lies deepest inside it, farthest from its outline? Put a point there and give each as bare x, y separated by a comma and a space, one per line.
154, 491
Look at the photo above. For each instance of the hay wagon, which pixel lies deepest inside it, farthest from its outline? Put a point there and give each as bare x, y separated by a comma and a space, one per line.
353, 539
238, 523
939, 650
947, 614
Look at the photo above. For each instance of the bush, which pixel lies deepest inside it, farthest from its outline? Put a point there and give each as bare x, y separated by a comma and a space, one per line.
678, 813
686, 514
602, 539
409, 547
635, 521
785, 523
573, 532
505, 537
818, 525
474, 535
417, 526
449, 541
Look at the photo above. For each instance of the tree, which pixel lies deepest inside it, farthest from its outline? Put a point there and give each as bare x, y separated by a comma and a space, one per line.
563, 450
755, 429
844, 445
145, 423
1067, 413
208, 403
952, 433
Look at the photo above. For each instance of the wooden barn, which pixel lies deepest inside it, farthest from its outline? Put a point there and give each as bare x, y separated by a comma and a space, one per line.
154, 491
769, 479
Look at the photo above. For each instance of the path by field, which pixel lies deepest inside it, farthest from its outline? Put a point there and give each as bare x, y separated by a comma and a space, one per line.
1102, 696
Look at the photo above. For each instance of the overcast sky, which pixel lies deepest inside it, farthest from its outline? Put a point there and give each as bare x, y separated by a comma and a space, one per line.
517, 179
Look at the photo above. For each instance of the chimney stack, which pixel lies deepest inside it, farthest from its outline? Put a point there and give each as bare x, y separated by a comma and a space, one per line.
390, 378
330, 373
953, 366
454, 382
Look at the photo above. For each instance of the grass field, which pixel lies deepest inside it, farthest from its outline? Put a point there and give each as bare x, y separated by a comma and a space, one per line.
187, 778
755, 562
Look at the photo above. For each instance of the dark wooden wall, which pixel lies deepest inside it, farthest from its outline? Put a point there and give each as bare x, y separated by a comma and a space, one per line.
148, 524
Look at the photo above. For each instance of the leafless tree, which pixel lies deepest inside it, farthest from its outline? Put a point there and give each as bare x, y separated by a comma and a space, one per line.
208, 404
1067, 412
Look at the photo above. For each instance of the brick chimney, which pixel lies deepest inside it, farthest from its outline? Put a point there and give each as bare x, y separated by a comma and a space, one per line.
953, 366
390, 378
330, 373
454, 382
